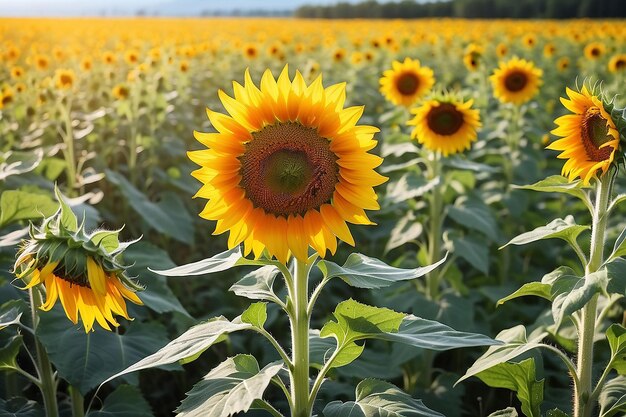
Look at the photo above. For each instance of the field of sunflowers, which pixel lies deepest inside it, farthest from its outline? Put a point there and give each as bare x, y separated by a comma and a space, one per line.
283, 217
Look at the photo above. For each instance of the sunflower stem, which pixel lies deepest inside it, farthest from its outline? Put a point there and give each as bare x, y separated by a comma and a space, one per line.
436, 220
300, 342
44, 367
68, 141
583, 404
78, 402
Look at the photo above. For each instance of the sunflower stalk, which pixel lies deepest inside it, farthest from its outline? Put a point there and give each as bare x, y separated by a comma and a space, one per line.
67, 133
78, 402
436, 221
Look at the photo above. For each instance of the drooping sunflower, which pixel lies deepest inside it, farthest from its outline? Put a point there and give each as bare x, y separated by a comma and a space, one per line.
617, 63
288, 168
406, 82
447, 125
516, 81
589, 138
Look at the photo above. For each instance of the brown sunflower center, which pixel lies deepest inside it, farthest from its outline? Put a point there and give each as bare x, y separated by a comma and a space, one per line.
288, 169
595, 51
66, 79
407, 84
516, 81
594, 133
620, 64
445, 119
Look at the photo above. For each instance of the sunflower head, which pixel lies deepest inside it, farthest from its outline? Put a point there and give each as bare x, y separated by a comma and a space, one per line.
64, 79
617, 63
288, 168
562, 64
82, 270
590, 135
406, 82
445, 124
594, 50
516, 81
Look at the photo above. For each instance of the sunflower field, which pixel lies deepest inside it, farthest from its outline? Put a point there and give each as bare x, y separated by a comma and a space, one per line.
292, 217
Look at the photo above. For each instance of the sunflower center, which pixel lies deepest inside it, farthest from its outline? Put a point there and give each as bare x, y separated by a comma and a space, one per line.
516, 81
288, 169
445, 119
594, 133
621, 63
407, 84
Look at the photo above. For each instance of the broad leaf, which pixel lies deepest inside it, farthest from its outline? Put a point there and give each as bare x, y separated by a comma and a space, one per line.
520, 378
22, 205
474, 251
14, 163
616, 336
515, 343
321, 349
255, 315
230, 388
474, 214
565, 229
9, 352
217, 263
375, 398
20, 407
616, 272
507, 412
11, 312
613, 397
409, 186
364, 272
188, 346
125, 401
405, 230
532, 288
258, 284
559, 184
571, 293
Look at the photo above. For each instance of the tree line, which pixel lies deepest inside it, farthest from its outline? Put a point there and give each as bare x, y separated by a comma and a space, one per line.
517, 9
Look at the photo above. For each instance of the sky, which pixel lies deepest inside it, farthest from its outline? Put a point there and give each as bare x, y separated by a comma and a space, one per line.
130, 7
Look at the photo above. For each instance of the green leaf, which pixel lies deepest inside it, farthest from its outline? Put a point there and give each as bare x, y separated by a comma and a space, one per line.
474, 214
571, 293
364, 272
257, 285
125, 401
217, 263
68, 218
20, 407
515, 343
558, 184
616, 336
188, 346
11, 312
107, 239
518, 377
410, 185
616, 272
321, 349
9, 352
375, 398
86, 359
406, 229
14, 163
255, 315
507, 412
565, 229
230, 388
474, 251
612, 399
619, 248
532, 288
168, 216
555, 412
18, 205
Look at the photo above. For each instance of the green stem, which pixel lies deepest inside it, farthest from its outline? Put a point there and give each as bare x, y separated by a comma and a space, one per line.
267, 407
434, 232
78, 402
68, 141
300, 342
583, 406
44, 367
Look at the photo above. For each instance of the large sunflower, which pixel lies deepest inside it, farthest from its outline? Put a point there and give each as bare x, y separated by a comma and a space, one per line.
447, 125
516, 81
288, 168
589, 136
406, 82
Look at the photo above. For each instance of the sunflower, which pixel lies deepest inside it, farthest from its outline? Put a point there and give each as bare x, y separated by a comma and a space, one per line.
529, 40
250, 51
501, 50
42, 62
120, 92
406, 82
445, 125
288, 168
516, 81
562, 64
17, 72
471, 60
589, 137
548, 50
617, 63
64, 79
594, 50
86, 64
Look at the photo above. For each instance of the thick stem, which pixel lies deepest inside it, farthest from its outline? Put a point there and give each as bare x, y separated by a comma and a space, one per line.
44, 367
68, 141
300, 342
434, 231
78, 402
583, 407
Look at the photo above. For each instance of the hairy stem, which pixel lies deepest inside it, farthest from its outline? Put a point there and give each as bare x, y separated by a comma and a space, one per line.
434, 231
300, 342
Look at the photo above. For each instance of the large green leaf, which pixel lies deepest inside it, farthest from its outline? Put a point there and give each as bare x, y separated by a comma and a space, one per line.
22, 205
518, 377
559, 184
188, 346
565, 229
616, 272
375, 398
619, 248
14, 163
613, 397
20, 407
168, 216
11, 312
571, 293
216, 263
474, 251
125, 401
515, 343
531, 288
616, 336
232, 387
364, 272
9, 352
409, 186
407, 229
258, 284
255, 315
87, 359
474, 214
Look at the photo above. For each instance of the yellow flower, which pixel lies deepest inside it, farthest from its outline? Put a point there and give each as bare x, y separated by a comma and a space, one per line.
617, 63
120, 92
501, 50
339, 55
64, 79
589, 137
516, 81
17, 72
288, 167
529, 40
86, 64
471, 60
109, 58
183, 66
548, 50
562, 64
6, 97
250, 51
447, 126
131, 57
42, 62
406, 82
594, 50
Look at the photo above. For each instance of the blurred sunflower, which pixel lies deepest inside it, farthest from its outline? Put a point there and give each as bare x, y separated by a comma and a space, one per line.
562, 64
288, 168
42, 62
120, 92
548, 50
17, 72
339, 55
516, 81
6, 97
86, 64
589, 137
501, 50
617, 63
250, 51
109, 58
406, 82
64, 79
594, 50
447, 125
529, 40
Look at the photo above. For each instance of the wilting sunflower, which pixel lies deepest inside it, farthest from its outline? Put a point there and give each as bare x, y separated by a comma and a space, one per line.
406, 82
516, 81
447, 125
80, 270
590, 138
288, 168
617, 63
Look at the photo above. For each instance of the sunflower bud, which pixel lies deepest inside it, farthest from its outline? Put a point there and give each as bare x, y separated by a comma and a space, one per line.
81, 269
